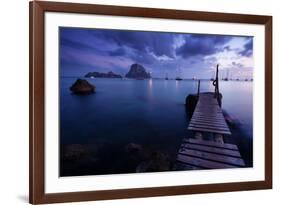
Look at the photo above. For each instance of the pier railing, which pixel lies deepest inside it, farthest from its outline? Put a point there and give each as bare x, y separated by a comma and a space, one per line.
217, 94
216, 84
198, 89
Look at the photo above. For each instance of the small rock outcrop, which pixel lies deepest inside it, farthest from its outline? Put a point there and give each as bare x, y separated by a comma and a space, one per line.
82, 87
110, 74
137, 71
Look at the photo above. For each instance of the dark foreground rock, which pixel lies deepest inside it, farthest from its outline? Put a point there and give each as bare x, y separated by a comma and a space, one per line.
190, 104
137, 71
102, 75
103, 157
148, 159
133, 148
74, 152
82, 87
157, 162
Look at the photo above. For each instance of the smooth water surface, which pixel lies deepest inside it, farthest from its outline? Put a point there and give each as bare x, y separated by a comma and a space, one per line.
150, 112
142, 110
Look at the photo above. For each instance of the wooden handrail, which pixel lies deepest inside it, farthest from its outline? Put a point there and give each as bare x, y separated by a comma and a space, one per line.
216, 84
198, 88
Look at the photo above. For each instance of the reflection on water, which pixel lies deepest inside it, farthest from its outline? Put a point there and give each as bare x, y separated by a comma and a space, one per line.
153, 102
149, 112
150, 83
177, 84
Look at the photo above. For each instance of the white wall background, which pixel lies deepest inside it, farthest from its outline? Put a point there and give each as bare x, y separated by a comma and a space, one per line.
14, 100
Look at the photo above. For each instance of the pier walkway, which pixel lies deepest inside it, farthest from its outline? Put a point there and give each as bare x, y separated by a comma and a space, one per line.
207, 119
204, 154
208, 116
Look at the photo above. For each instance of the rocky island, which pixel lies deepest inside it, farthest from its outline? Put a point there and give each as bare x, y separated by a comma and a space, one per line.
82, 87
110, 74
137, 71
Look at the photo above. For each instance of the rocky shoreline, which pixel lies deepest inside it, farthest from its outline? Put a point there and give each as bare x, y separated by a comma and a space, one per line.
82, 86
85, 159
110, 74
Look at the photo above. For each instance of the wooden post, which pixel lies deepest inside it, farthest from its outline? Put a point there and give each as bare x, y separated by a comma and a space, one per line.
190, 104
216, 84
198, 89
219, 138
198, 136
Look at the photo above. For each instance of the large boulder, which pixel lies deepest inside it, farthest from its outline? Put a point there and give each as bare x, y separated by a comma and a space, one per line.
137, 71
82, 87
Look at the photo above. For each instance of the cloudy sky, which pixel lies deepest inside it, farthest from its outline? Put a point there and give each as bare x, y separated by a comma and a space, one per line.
184, 55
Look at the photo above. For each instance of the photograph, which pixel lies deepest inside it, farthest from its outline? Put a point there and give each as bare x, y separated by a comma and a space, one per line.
133, 101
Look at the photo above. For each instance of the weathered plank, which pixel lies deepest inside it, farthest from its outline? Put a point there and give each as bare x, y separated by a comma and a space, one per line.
211, 143
208, 119
183, 166
211, 109
206, 110
213, 157
209, 130
207, 123
209, 126
210, 113
233, 153
202, 162
208, 116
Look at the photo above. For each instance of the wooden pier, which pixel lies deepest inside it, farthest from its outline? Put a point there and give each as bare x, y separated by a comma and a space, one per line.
207, 119
208, 116
205, 154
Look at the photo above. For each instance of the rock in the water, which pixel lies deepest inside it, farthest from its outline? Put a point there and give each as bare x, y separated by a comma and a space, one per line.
137, 71
82, 87
110, 74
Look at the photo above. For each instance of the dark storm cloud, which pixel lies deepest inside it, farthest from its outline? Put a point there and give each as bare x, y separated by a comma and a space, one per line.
135, 55
74, 44
201, 45
84, 50
248, 49
158, 43
142, 57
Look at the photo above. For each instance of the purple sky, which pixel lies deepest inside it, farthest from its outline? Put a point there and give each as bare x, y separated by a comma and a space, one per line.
185, 55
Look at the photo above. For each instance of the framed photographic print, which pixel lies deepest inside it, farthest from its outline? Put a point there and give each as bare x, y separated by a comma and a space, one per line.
140, 102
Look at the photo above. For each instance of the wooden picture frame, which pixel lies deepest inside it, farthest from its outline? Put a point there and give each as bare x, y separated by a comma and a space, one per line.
38, 9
